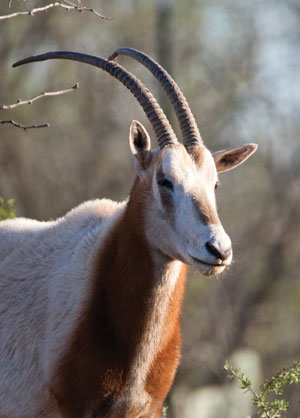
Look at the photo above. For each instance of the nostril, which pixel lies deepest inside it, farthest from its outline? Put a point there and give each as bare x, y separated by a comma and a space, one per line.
213, 250
222, 255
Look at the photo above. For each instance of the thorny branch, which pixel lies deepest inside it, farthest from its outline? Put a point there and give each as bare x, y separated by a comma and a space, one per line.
65, 4
44, 94
18, 125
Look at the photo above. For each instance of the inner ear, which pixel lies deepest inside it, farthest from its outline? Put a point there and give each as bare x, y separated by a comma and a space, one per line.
140, 144
230, 158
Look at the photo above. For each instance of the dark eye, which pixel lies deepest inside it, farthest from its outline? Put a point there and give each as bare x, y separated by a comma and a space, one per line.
217, 185
165, 183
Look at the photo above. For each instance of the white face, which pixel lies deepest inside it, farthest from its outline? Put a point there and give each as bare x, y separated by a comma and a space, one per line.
181, 218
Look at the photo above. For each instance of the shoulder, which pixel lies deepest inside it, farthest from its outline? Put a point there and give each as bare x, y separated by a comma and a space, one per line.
97, 209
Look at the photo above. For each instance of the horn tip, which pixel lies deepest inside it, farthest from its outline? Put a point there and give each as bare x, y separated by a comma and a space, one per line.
113, 56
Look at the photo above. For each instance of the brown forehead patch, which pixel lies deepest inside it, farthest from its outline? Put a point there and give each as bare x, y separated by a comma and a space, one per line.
198, 154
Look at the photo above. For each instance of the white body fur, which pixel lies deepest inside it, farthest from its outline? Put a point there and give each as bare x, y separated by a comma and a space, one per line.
45, 269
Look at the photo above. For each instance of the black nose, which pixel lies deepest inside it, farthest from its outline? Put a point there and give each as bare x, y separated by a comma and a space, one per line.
220, 254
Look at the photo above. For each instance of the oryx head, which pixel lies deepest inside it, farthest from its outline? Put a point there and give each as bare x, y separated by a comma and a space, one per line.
180, 209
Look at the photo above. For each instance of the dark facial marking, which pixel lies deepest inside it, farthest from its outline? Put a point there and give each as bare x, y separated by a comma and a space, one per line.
166, 190
205, 212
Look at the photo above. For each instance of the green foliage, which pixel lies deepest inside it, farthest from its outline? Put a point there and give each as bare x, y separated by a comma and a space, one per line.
267, 408
7, 209
165, 408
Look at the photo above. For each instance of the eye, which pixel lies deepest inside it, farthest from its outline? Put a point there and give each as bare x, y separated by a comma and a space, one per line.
217, 184
165, 183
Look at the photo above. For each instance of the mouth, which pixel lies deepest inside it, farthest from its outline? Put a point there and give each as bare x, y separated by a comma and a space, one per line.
205, 263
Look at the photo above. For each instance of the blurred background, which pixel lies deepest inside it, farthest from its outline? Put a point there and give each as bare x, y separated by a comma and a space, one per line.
238, 64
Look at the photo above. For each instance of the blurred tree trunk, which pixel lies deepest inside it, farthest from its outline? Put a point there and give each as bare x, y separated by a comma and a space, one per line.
164, 45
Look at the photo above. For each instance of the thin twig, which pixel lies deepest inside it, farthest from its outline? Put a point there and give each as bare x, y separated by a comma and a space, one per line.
44, 94
17, 125
9, 3
81, 8
67, 5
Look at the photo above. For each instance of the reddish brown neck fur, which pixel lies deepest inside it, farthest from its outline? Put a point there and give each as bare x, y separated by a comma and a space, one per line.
98, 365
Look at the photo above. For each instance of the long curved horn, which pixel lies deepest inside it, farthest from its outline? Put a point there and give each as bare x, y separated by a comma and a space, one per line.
161, 126
188, 126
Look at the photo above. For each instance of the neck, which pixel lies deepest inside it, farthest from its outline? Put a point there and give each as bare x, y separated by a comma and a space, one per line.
136, 275
143, 292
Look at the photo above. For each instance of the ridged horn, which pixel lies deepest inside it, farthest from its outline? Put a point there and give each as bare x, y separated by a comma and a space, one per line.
188, 126
161, 126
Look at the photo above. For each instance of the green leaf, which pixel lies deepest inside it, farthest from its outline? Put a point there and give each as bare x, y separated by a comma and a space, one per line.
275, 385
7, 209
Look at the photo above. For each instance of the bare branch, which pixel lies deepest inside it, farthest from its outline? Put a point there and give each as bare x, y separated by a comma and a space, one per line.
44, 94
81, 8
65, 4
17, 125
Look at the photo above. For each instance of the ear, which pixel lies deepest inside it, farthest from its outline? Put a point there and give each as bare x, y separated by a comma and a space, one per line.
230, 158
140, 145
